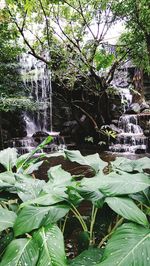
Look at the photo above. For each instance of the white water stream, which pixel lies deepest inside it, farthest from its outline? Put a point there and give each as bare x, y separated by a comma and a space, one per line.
37, 78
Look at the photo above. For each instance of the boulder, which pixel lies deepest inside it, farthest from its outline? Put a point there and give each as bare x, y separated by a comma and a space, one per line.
39, 136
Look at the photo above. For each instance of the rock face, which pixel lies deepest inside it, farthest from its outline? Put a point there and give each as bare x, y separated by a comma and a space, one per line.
12, 126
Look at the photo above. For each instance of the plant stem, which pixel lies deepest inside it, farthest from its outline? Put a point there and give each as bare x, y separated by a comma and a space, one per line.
63, 228
79, 217
93, 217
108, 235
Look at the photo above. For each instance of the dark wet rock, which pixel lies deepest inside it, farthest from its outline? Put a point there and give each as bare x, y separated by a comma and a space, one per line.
147, 133
140, 151
145, 111
39, 136
70, 123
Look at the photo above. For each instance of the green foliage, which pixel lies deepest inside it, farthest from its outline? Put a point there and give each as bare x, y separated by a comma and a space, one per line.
103, 60
129, 245
12, 91
136, 16
50, 241
34, 208
21, 251
88, 257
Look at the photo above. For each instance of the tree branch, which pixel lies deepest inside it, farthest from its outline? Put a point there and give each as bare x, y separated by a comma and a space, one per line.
32, 51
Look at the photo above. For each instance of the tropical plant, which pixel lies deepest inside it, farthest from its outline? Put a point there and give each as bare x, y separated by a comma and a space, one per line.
35, 213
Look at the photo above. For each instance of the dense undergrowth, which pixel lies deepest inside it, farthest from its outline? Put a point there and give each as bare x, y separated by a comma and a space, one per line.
35, 214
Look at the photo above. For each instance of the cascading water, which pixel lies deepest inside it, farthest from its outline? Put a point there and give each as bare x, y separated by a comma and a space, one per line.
131, 137
37, 79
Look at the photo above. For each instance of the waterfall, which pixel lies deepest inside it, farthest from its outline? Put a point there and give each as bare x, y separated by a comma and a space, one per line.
31, 127
37, 79
131, 137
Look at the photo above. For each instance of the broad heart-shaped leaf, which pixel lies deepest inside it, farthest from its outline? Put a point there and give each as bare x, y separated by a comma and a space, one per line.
123, 164
93, 160
58, 182
128, 165
8, 158
127, 209
44, 199
32, 217
29, 188
128, 246
7, 219
58, 177
7, 177
88, 189
123, 183
89, 257
51, 244
142, 164
21, 252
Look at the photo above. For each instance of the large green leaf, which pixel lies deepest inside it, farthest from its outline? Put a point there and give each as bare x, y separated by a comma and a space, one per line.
58, 177
29, 188
89, 257
51, 244
142, 164
5, 239
128, 165
6, 186
127, 209
58, 182
115, 184
142, 196
93, 160
8, 158
31, 217
128, 246
123, 183
21, 252
7, 177
7, 219
88, 189
43, 199
123, 164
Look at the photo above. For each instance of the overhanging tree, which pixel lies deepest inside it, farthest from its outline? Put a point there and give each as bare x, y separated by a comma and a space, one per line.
73, 34
136, 16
